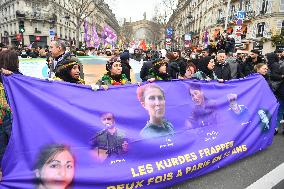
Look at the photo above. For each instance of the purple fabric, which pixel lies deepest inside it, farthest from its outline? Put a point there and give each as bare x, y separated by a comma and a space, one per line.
54, 112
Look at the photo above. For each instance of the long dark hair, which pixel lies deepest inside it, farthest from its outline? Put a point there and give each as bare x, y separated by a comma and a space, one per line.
47, 154
64, 68
9, 60
65, 75
202, 66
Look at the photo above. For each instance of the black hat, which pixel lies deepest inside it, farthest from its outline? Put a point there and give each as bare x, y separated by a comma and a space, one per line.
124, 56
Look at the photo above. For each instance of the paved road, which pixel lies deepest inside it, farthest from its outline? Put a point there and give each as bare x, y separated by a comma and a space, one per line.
245, 172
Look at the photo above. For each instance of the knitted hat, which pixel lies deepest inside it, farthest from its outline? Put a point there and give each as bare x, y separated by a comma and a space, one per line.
158, 63
111, 61
68, 61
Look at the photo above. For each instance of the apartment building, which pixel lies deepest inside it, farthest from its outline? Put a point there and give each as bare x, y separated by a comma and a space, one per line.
205, 19
41, 20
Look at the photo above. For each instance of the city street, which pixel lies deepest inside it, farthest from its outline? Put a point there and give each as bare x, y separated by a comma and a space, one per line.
75, 114
245, 172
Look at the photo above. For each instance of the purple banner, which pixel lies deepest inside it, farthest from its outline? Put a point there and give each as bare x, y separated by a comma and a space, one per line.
152, 136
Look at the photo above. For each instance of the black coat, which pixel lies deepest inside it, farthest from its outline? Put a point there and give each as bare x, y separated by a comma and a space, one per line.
144, 72
222, 71
126, 69
246, 68
176, 68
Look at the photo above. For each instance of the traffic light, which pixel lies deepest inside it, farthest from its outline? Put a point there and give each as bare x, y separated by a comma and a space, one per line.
21, 26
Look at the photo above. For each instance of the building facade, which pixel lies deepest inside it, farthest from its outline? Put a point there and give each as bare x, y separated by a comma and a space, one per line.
43, 20
205, 20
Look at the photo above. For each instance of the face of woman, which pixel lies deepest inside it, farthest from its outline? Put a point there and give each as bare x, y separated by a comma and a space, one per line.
116, 68
197, 97
75, 72
154, 103
163, 68
263, 70
211, 64
189, 72
58, 173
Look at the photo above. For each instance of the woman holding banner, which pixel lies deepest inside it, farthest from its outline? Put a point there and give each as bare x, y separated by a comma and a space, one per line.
158, 71
9, 64
152, 98
69, 71
114, 75
205, 69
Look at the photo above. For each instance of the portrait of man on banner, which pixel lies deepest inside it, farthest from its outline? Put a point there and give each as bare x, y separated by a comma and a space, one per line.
238, 112
110, 142
264, 119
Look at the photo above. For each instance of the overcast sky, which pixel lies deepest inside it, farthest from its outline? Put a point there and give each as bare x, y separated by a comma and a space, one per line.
134, 8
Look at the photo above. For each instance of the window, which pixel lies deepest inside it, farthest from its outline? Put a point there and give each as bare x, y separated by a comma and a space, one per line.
233, 9
264, 6
260, 29
282, 28
281, 6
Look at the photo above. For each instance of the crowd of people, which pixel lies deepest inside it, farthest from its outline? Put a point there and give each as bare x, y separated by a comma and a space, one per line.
202, 64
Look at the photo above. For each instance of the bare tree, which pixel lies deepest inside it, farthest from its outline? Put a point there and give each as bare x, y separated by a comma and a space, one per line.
80, 10
170, 5
163, 11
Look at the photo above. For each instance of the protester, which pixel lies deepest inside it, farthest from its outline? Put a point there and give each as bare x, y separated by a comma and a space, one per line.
231, 60
176, 64
247, 67
205, 52
222, 68
114, 75
205, 69
124, 57
146, 67
58, 50
262, 69
69, 71
274, 66
9, 63
190, 71
137, 55
55, 167
152, 98
148, 56
110, 142
158, 71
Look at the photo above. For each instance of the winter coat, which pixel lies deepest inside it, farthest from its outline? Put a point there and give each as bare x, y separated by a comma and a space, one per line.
223, 71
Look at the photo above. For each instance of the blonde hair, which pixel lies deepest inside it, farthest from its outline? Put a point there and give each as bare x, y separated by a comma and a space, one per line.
258, 66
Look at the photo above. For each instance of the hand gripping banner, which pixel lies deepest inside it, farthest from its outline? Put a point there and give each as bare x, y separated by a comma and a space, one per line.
152, 136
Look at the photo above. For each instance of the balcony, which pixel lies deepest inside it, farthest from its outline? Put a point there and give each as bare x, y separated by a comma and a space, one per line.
220, 20
259, 35
249, 15
37, 31
19, 14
